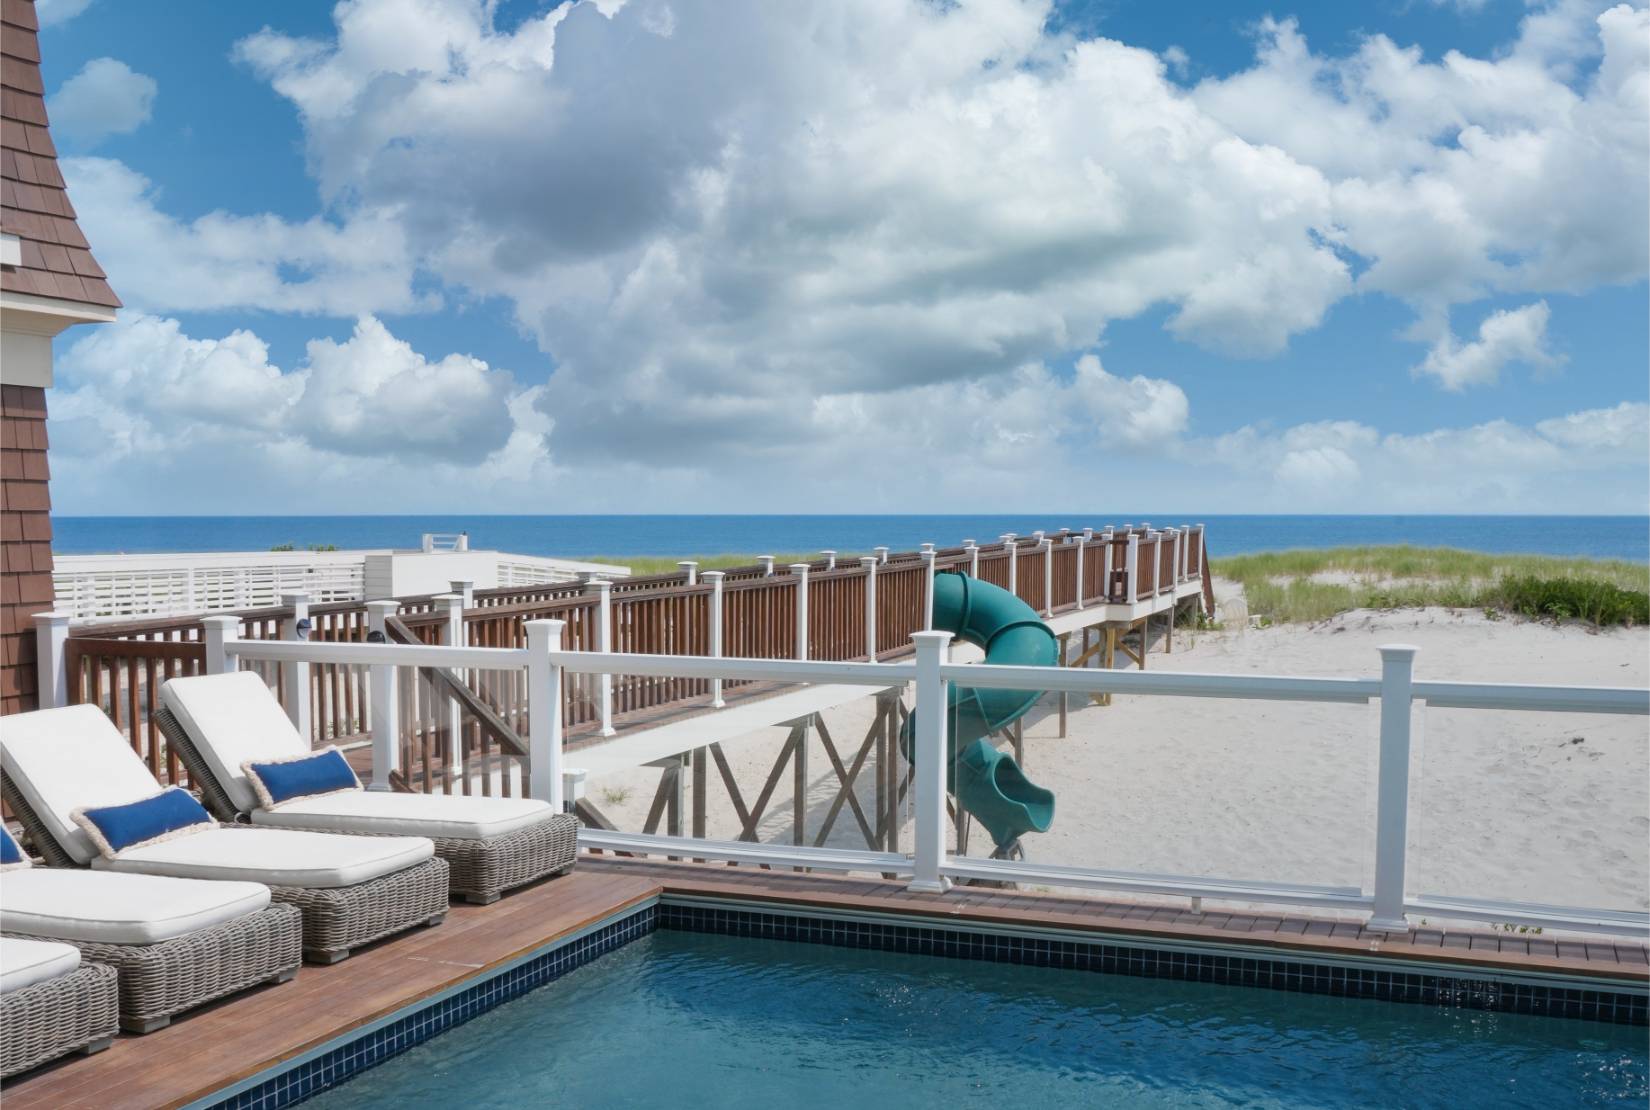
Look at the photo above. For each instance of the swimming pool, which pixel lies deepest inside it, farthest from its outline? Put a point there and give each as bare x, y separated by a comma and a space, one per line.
691, 1019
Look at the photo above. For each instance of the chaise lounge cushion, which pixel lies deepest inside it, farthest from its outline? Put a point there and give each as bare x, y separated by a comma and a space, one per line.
278, 857
69, 904
435, 815
71, 758
23, 963
243, 721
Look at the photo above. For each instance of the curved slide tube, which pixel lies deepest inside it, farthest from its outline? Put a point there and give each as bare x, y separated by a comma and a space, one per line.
986, 782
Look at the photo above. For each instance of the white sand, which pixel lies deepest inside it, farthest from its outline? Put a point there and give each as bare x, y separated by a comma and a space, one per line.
1535, 807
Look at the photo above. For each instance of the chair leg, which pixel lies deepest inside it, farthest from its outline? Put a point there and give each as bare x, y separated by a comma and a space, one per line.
437, 919
285, 976
475, 899
96, 1046
323, 957
145, 1025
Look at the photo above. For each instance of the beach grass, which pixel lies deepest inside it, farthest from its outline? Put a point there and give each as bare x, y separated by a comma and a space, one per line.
1314, 585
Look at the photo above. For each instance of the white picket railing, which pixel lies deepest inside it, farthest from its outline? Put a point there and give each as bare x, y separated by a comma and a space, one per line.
931, 866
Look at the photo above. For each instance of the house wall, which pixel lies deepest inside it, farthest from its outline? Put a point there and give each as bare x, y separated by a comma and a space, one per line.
25, 540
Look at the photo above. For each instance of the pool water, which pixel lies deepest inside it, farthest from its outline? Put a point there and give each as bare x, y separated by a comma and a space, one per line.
689, 1020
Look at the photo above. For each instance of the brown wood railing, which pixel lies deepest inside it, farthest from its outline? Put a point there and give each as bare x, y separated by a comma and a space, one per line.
120, 667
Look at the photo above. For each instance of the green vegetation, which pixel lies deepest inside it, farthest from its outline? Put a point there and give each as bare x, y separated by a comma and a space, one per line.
665, 564
1304, 586
306, 547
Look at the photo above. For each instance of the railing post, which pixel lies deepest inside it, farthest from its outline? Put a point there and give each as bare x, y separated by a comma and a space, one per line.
691, 569
604, 642
465, 589
930, 763
869, 564
544, 712
385, 702
1082, 544
714, 577
927, 549
1185, 551
51, 640
1392, 788
830, 559
882, 555
295, 674
928, 588
452, 634
1048, 576
1131, 567
216, 633
767, 565
1008, 539
799, 571
973, 558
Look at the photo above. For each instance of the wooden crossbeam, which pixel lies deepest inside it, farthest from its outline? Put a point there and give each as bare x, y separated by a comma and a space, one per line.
847, 779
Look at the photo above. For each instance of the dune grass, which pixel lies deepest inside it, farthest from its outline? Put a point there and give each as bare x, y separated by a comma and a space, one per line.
1314, 585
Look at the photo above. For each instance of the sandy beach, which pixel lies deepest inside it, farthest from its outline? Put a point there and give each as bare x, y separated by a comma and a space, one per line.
1538, 807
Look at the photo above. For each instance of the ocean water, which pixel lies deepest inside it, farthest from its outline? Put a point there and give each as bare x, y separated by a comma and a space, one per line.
687, 1020
1616, 537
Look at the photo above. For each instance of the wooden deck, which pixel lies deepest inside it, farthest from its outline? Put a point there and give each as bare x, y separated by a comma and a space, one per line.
221, 1044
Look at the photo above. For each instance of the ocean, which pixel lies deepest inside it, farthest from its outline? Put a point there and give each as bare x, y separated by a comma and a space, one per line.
1614, 537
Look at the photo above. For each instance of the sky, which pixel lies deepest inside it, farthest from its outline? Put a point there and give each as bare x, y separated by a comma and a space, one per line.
878, 256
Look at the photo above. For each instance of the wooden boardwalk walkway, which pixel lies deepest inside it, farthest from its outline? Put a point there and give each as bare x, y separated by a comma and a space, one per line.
221, 1044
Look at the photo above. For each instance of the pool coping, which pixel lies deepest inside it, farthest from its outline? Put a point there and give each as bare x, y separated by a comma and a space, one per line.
1555, 995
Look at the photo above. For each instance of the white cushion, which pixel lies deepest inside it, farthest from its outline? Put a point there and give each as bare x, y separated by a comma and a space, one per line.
24, 963
233, 719
69, 758
110, 908
439, 815
278, 857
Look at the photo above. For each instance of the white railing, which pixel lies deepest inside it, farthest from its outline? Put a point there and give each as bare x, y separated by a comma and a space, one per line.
174, 584
931, 866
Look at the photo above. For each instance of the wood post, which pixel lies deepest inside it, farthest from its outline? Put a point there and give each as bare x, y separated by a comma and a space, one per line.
928, 588
544, 711
216, 633
869, 565
603, 590
452, 634
51, 639
295, 673
799, 571
385, 700
1392, 788
930, 763
714, 577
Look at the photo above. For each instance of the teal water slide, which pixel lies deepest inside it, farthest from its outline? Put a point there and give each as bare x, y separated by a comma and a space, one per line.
985, 782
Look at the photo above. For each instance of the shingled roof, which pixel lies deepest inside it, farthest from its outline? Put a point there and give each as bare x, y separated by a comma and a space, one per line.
34, 204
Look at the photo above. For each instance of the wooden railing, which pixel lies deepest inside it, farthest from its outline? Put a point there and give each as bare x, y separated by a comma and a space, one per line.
120, 667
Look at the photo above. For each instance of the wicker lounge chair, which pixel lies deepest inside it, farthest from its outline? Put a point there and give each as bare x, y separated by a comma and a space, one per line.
350, 889
176, 943
51, 1004
217, 722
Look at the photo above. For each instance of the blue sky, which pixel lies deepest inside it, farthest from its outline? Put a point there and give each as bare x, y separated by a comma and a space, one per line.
1310, 257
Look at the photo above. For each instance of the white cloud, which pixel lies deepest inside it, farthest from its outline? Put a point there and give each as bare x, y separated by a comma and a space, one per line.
107, 97
221, 261
51, 13
141, 386
1505, 338
1131, 412
1589, 461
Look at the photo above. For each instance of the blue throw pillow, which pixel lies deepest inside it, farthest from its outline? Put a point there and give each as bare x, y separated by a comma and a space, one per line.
171, 813
305, 776
11, 854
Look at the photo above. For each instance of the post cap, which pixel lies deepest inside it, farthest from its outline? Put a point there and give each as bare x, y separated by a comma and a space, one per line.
294, 597
713, 575
52, 617
1398, 651
801, 568
384, 604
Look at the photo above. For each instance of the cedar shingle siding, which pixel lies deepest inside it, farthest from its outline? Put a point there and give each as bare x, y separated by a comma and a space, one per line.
25, 540
56, 263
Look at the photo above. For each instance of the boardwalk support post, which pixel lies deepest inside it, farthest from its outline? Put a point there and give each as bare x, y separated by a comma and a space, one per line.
930, 763
544, 712
1392, 789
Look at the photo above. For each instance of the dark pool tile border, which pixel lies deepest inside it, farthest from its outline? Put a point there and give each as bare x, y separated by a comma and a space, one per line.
373, 1047
1423, 988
